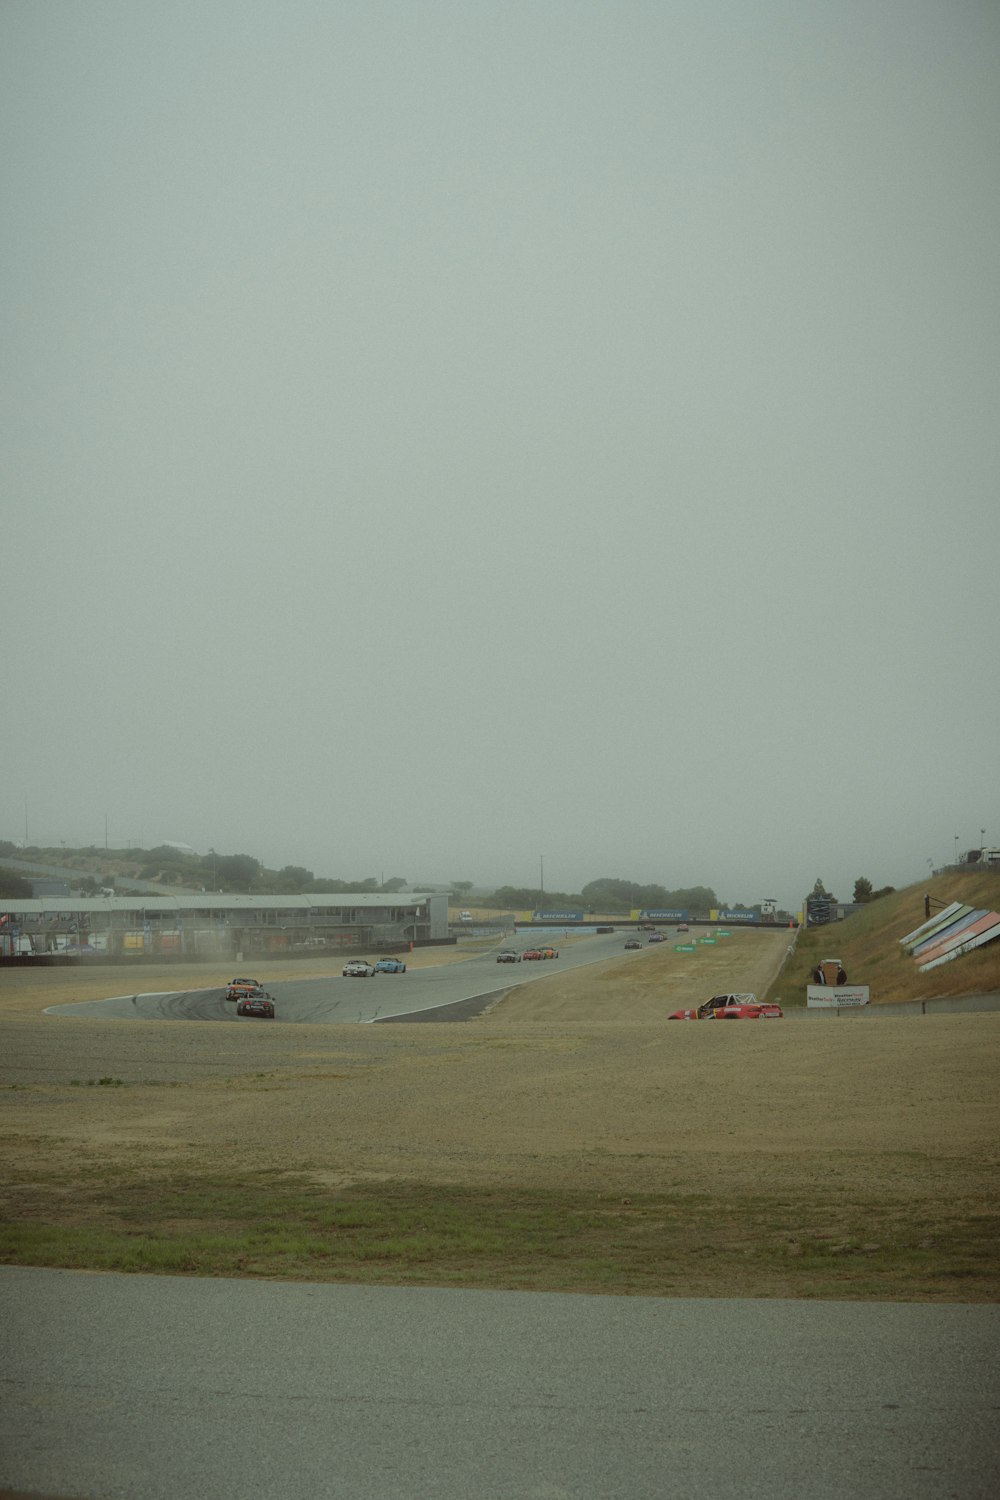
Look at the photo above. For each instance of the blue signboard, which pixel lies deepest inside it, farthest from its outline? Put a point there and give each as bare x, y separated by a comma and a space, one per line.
738, 916
665, 916
557, 916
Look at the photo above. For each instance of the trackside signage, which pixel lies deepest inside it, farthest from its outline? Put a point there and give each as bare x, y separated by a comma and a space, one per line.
836, 997
665, 916
558, 916
738, 916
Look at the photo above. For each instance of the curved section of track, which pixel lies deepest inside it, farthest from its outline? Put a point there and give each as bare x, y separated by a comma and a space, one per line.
452, 992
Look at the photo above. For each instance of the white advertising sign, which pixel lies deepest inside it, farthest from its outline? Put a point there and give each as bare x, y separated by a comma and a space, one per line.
832, 997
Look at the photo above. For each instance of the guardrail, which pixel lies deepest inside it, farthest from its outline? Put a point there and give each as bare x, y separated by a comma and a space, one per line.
940, 1005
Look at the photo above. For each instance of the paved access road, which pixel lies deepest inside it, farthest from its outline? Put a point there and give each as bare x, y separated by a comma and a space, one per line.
383, 997
147, 1388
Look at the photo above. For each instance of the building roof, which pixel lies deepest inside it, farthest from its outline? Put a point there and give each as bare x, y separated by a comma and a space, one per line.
216, 901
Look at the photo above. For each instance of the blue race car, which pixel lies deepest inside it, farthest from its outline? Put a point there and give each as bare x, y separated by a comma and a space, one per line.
390, 966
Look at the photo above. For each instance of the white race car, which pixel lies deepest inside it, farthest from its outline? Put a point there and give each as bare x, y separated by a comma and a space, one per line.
358, 968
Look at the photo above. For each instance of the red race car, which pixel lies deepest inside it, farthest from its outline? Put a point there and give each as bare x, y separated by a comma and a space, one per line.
731, 1008
237, 988
531, 953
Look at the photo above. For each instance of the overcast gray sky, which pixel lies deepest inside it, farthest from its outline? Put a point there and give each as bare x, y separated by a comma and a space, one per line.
440, 435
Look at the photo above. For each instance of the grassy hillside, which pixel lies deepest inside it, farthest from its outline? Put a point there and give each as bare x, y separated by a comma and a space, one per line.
867, 944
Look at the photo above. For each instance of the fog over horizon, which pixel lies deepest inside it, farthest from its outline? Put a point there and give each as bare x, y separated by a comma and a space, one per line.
439, 437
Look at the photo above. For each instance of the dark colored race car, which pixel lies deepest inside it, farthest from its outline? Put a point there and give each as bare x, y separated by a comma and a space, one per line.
633, 943
259, 1006
655, 937
508, 956
731, 1008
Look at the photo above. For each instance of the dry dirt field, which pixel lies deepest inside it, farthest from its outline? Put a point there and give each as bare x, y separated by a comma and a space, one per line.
573, 1083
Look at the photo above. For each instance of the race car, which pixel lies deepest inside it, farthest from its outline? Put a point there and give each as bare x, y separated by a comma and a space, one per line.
237, 988
655, 937
530, 953
260, 1006
508, 956
358, 968
731, 1007
548, 952
390, 966
633, 943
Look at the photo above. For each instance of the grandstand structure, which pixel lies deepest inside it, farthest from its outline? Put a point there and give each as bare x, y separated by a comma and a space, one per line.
219, 925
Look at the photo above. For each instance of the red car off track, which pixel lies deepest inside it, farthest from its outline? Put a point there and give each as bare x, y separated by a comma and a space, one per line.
731, 1008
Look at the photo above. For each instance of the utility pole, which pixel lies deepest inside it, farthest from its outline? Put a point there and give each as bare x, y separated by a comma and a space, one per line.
541, 878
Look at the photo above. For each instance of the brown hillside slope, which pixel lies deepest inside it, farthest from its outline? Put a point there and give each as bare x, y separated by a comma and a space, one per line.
867, 944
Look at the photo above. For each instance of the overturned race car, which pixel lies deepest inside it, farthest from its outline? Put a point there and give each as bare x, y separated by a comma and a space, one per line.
731, 1007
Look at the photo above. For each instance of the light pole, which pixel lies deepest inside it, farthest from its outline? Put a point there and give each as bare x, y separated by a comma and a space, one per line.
956, 848
541, 878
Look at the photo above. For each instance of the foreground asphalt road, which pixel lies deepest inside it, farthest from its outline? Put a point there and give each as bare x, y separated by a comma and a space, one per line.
149, 1388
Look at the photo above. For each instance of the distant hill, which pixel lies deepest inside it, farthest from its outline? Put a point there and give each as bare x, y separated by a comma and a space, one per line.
175, 869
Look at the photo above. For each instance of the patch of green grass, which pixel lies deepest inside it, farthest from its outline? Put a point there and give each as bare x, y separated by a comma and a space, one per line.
271, 1224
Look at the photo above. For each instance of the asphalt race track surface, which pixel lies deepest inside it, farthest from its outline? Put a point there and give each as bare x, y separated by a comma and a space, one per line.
383, 997
150, 1388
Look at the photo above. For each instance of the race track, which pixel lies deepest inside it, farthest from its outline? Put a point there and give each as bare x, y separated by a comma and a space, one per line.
463, 989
